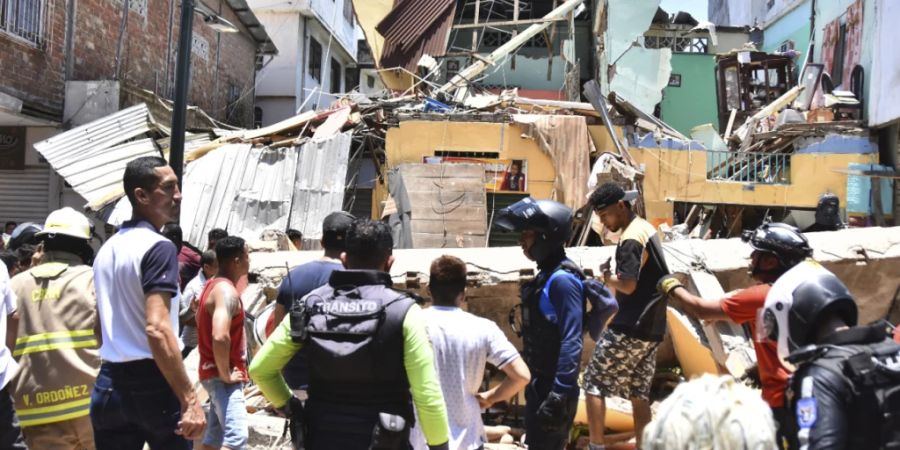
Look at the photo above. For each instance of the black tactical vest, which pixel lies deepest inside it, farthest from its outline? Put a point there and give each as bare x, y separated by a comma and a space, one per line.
540, 337
873, 372
355, 343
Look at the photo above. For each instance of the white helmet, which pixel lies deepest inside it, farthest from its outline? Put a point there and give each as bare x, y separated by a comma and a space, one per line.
66, 221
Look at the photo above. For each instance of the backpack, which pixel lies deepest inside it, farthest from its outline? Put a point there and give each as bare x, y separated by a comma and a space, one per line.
603, 304
874, 373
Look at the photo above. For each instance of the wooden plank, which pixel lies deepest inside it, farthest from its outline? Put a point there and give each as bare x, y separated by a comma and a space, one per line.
414, 170
730, 124
445, 200
707, 286
427, 240
445, 185
467, 227
462, 211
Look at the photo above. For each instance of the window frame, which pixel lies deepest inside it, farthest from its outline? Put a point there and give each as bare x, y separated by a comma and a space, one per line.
314, 65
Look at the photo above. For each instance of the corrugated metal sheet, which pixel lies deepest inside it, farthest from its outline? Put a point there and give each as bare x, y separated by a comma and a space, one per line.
414, 28
247, 190
320, 182
24, 194
92, 157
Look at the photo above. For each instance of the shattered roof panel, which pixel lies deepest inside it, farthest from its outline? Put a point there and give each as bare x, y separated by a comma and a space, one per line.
92, 157
320, 183
414, 28
238, 188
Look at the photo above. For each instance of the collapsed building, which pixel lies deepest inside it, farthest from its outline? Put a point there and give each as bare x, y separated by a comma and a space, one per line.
442, 149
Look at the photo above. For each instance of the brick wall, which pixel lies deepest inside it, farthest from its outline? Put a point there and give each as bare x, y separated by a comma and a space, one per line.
225, 70
34, 73
145, 49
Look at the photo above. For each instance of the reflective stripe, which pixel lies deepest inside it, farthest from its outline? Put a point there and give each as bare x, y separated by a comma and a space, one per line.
54, 341
30, 417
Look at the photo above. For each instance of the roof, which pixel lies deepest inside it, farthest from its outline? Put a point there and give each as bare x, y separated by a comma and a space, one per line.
414, 28
264, 44
92, 157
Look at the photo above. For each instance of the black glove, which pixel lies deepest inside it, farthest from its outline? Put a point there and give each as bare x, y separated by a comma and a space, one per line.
751, 377
293, 407
552, 412
667, 284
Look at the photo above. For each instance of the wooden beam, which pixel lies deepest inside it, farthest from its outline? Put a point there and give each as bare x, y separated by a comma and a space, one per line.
505, 23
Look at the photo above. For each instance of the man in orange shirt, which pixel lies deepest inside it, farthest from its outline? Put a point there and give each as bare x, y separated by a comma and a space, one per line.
776, 248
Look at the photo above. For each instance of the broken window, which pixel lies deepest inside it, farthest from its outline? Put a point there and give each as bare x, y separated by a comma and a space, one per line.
677, 44
335, 76
23, 18
315, 59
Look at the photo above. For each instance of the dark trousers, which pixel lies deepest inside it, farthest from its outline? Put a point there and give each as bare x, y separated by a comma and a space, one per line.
334, 426
10, 431
132, 404
786, 435
536, 436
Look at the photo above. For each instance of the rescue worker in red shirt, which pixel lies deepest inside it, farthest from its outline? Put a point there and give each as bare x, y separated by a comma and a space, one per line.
776, 248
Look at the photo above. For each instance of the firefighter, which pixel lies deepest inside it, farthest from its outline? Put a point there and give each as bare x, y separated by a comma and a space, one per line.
57, 341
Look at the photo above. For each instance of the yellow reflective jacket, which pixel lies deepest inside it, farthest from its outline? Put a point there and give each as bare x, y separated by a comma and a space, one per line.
56, 348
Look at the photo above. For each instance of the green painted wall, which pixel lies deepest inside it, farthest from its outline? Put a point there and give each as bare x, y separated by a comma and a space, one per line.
792, 26
694, 103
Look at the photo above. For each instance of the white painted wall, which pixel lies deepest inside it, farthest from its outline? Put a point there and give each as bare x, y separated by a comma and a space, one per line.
331, 14
279, 77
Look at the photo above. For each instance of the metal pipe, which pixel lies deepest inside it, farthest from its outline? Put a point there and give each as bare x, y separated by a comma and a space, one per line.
182, 84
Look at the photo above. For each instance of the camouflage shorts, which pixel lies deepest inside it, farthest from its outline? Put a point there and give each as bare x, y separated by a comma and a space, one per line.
621, 366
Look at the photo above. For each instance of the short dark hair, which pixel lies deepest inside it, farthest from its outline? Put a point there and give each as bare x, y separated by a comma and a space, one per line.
208, 258
607, 195
447, 279
10, 223
9, 259
172, 231
228, 248
216, 234
369, 243
70, 244
294, 234
141, 173
24, 253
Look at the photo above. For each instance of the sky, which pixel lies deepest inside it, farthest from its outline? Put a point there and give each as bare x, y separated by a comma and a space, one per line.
697, 8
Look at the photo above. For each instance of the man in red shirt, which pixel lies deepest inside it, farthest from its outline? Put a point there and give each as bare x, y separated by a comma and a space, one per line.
776, 248
222, 345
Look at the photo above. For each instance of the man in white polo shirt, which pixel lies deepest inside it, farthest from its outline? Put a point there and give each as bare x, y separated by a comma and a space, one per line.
10, 431
143, 394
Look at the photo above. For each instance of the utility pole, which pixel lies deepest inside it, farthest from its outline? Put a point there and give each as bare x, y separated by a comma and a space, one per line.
182, 85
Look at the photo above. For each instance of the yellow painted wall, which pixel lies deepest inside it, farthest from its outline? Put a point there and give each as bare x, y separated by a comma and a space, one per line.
414, 139
680, 176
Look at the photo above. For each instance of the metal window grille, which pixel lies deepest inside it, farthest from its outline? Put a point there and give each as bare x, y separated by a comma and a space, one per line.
748, 167
678, 44
24, 18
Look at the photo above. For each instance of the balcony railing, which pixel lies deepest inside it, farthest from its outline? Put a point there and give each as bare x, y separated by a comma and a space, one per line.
746, 167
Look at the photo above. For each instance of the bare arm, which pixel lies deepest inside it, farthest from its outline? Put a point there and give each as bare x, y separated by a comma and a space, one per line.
626, 287
12, 330
517, 377
699, 307
225, 304
167, 355
279, 313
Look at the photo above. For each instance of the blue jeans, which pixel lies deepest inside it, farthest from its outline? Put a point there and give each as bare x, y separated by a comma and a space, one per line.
226, 421
132, 404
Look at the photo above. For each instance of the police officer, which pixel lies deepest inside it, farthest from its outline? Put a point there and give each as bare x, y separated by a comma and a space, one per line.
369, 356
552, 312
57, 344
846, 390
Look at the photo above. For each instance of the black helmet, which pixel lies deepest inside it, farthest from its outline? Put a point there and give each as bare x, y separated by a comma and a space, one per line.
24, 234
824, 292
786, 242
552, 219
